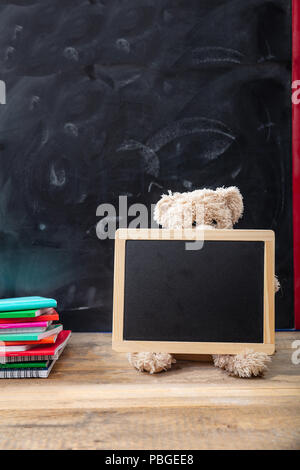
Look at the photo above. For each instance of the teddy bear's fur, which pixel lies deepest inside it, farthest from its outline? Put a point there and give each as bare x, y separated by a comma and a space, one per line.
203, 209
220, 209
151, 362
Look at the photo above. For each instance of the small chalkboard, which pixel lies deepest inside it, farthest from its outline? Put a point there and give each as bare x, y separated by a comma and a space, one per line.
194, 292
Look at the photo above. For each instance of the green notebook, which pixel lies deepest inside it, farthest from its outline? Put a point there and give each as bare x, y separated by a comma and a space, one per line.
19, 314
25, 365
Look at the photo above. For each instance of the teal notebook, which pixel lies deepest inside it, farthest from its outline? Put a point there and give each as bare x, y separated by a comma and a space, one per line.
26, 303
51, 330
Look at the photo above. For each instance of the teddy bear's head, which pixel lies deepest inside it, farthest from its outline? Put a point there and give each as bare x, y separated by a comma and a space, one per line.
203, 208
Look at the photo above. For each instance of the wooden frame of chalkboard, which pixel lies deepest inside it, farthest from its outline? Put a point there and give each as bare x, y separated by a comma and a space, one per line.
266, 344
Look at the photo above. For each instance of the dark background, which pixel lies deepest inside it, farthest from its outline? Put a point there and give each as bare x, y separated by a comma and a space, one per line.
200, 88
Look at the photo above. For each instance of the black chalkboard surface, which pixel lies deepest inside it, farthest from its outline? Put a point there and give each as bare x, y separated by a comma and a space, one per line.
135, 98
212, 294
166, 293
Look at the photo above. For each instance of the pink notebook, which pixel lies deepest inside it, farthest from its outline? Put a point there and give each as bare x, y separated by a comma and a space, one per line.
36, 324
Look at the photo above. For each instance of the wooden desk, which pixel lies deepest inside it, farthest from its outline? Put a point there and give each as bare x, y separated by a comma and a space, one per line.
94, 399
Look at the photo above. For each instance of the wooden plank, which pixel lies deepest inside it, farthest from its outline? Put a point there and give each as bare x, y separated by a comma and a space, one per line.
119, 286
94, 399
227, 427
191, 347
193, 234
269, 292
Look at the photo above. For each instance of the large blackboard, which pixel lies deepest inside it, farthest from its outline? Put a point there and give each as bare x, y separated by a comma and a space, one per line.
215, 294
109, 98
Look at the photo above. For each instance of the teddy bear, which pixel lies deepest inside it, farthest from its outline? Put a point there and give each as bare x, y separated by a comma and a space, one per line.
203, 209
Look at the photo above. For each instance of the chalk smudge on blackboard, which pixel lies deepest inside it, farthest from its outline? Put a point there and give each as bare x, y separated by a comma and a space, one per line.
217, 143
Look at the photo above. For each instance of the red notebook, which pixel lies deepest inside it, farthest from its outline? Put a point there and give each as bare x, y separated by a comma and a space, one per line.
42, 349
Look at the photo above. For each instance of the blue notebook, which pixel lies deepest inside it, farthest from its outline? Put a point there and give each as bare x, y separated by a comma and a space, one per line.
26, 303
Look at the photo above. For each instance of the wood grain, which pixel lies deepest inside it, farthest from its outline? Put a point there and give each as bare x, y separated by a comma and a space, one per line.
93, 399
193, 234
269, 292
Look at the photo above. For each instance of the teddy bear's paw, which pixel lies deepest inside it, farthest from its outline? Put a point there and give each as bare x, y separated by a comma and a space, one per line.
247, 364
151, 362
221, 360
276, 284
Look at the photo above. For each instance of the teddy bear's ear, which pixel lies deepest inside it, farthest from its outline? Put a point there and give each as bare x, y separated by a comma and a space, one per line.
174, 211
162, 209
234, 201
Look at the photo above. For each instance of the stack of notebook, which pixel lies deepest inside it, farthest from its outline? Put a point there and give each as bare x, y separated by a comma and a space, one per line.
31, 339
